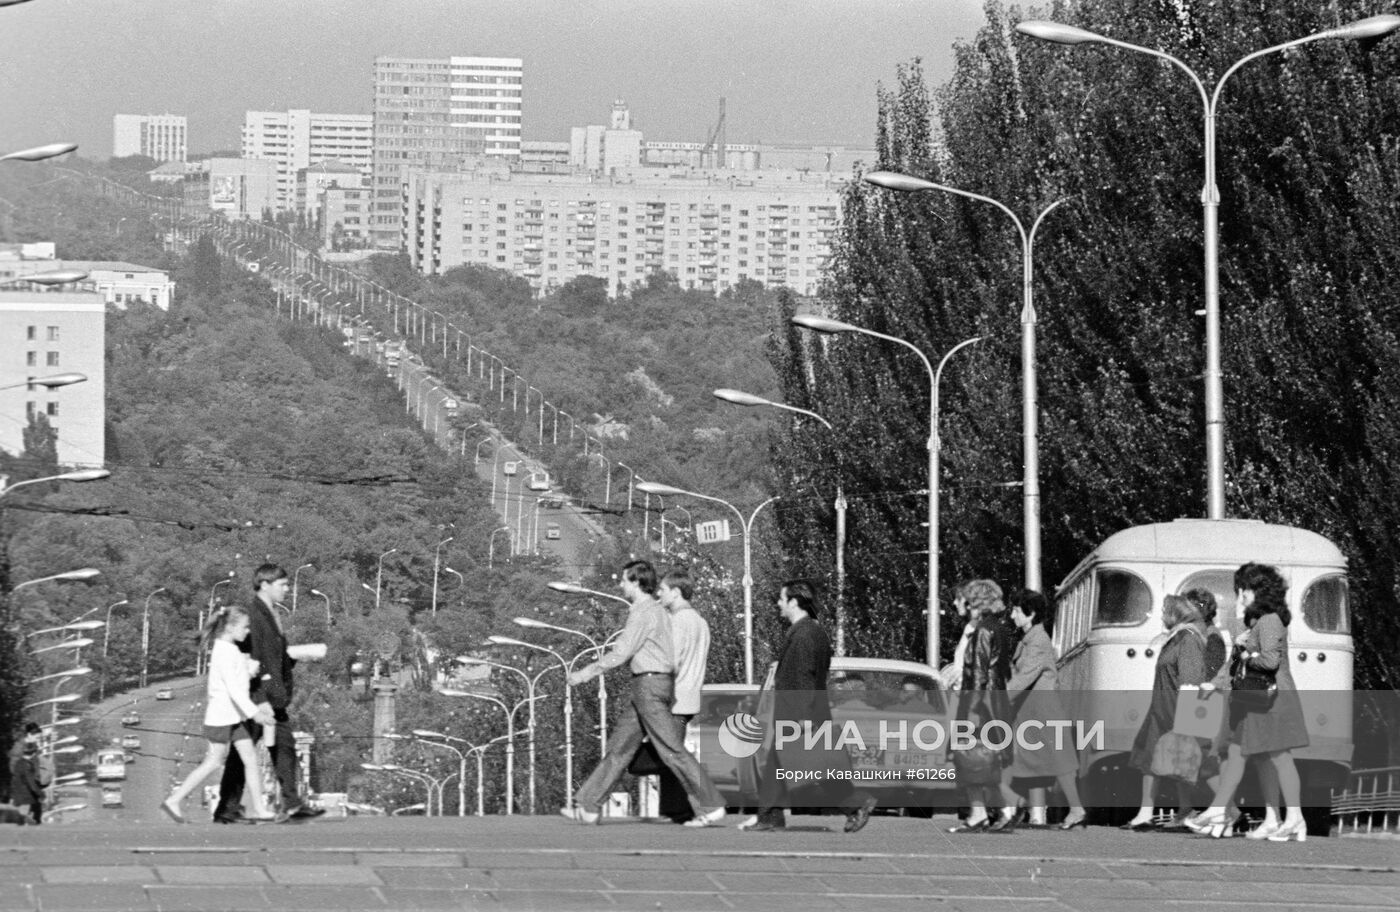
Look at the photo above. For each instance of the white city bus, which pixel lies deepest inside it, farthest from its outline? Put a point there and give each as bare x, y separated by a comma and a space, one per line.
1109, 611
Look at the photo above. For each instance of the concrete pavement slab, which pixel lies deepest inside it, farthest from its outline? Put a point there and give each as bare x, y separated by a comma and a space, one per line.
436, 878
668, 901
211, 874
207, 899
76, 898
99, 874
408, 860
406, 900
349, 875
673, 881
322, 898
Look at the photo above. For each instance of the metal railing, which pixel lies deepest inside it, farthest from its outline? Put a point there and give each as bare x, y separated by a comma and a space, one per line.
1370, 803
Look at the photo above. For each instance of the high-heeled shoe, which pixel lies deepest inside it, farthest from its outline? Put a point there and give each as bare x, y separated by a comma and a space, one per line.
1264, 830
979, 826
1007, 823
1298, 830
1216, 826
1075, 820
1137, 826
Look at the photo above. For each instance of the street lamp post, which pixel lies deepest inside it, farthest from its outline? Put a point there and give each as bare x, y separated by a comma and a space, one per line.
146, 631
1372, 27
530, 684
822, 324
379, 575
1030, 402
423, 738
328, 604
491, 546
295, 575
568, 712
510, 712
437, 561
106, 638
651, 487
741, 398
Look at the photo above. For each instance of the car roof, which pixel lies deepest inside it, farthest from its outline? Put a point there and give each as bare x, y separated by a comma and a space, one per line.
895, 666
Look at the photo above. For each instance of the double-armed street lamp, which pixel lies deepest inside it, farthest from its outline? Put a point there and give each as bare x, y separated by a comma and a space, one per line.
651, 487
429, 783
530, 684
491, 545
1030, 403
568, 710
1372, 27
510, 712
425, 737
825, 325
739, 397
594, 648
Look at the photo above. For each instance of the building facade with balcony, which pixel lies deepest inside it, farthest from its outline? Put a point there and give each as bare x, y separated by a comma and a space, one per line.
430, 114
43, 333
298, 139
240, 188
159, 136
711, 230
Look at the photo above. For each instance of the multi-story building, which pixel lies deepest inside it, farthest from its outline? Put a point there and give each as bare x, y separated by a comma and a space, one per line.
159, 136
297, 139
44, 334
710, 229
430, 114
344, 214
120, 284
240, 188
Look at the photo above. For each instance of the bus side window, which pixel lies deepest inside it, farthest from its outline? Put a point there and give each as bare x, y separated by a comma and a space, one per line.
1072, 616
1325, 605
1124, 599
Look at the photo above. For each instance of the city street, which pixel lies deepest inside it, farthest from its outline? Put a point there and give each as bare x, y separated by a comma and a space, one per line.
543, 863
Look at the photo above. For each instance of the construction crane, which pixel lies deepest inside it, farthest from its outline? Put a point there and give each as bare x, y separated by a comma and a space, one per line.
712, 155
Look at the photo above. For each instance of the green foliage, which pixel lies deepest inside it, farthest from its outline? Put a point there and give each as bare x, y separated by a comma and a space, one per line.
1307, 168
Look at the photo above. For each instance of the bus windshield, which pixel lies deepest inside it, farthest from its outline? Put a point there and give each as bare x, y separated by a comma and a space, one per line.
1326, 608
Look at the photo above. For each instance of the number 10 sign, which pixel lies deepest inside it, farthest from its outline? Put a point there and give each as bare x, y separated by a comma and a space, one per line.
707, 533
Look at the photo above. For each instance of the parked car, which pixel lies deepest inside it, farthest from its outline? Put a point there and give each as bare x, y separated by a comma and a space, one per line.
164, 695
131, 718
551, 531
867, 692
510, 468
131, 741
111, 797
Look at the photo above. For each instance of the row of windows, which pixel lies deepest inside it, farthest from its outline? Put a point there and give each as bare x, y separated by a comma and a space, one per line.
33, 333
50, 409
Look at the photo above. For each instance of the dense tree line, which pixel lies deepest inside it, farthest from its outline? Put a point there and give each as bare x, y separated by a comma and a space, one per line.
1308, 167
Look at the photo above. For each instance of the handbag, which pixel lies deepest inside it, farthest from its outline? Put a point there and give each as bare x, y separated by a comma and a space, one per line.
1199, 713
1177, 756
646, 761
1252, 689
978, 765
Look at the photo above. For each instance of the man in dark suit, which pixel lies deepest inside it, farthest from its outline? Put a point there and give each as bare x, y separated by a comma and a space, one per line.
799, 695
268, 645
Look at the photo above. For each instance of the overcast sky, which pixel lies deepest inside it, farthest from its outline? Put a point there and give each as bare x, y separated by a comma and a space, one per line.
790, 70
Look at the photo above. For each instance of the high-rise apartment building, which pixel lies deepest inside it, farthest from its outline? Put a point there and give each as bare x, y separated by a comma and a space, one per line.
45, 334
708, 229
159, 136
433, 114
297, 139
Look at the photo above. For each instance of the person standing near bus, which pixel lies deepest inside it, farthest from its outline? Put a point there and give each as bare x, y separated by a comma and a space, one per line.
982, 697
227, 705
1270, 733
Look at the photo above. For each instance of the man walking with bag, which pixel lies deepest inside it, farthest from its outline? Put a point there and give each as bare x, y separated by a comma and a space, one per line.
645, 643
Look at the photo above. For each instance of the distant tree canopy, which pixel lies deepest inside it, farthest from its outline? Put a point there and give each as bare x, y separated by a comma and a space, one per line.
1309, 266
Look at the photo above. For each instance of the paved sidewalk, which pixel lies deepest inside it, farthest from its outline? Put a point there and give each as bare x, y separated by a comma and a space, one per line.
522, 863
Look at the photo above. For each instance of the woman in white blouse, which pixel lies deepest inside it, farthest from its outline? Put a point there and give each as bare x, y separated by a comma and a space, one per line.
227, 707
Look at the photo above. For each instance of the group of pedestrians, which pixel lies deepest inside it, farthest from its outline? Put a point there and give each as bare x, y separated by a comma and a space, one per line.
1262, 718
249, 690
1010, 681
665, 644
